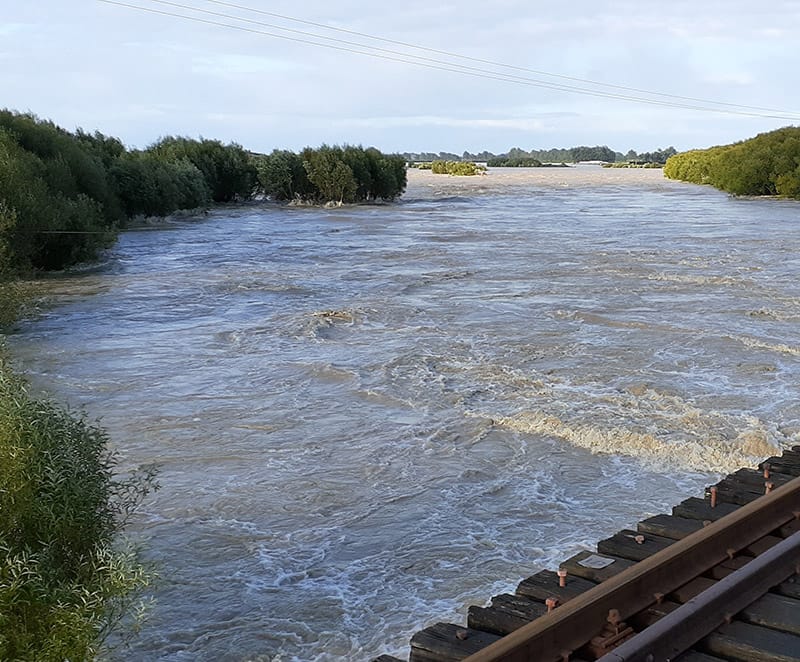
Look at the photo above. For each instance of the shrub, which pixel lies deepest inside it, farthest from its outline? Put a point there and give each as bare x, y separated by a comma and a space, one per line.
332, 174
768, 164
65, 577
459, 168
521, 162
150, 186
228, 170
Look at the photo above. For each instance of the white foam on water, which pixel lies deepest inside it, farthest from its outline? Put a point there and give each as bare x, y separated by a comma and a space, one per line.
779, 348
698, 279
658, 452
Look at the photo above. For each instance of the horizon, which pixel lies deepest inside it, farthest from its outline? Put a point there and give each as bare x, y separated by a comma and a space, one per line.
458, 153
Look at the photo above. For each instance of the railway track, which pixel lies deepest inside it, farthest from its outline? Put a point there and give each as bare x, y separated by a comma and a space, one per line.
715, 580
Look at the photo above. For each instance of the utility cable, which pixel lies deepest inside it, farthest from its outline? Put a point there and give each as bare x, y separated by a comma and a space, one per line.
492, 62
421, 61
414, 58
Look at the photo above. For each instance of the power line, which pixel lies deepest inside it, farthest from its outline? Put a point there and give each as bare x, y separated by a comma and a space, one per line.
415, 59
492, 62
403, 57
421, 61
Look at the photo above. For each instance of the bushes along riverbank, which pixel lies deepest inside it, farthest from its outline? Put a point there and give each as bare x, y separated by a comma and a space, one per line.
64, 195
768, 164
66, 578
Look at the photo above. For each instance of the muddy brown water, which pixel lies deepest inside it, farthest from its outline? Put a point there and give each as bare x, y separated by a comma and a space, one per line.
368, 418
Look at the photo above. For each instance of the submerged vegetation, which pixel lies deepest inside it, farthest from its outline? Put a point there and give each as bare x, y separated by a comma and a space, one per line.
66, 578
768, 164
522, 162
458, 168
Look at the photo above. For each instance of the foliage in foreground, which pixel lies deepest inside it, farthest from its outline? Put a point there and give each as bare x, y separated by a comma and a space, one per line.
9, 298
768, 164
332, 174
66, 578
459, 168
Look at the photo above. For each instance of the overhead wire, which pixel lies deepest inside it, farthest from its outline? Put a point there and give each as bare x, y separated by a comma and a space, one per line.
490, 62
415, 59
422, 61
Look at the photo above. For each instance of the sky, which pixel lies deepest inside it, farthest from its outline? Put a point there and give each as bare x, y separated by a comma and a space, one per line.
139, 75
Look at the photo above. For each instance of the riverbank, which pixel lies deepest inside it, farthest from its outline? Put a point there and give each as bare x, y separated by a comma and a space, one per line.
765, 165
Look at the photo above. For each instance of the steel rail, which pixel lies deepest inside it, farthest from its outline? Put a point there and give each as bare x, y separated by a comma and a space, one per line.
679, 630
555, 636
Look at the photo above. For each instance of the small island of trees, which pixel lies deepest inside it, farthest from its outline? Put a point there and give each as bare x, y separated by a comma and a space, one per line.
768, 164
457, 168
332, 174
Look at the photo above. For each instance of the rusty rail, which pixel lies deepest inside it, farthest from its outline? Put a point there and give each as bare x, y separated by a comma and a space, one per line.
678, 631
555, 636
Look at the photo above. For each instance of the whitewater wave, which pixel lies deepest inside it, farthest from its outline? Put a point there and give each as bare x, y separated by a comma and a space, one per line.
755, 343
689, 279
655, 450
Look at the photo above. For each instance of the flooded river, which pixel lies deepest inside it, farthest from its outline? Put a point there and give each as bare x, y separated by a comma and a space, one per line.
368, 418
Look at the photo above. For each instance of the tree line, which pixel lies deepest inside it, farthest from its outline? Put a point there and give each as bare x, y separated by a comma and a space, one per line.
64, 195
516, 156
768, 164
514, 162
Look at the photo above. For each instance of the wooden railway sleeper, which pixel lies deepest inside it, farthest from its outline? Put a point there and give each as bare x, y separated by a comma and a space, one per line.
677, 631
632, 590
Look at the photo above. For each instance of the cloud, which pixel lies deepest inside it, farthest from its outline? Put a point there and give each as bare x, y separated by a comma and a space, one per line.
410, 121
740, 78
140, 75
8, 29
234, 64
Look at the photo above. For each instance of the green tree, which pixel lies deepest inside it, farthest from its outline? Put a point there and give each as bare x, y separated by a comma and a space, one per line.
764, 165
10, 297
332, 177
229, 171
389, 174
149, 186
70, 168
53, 229
283, 176
460, 168
332, 174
